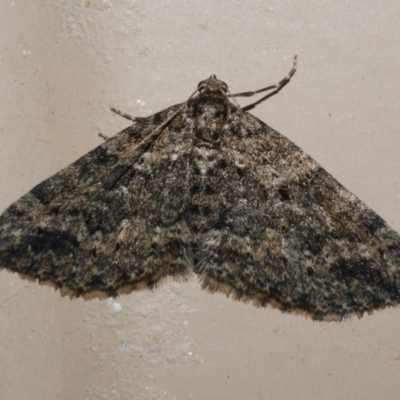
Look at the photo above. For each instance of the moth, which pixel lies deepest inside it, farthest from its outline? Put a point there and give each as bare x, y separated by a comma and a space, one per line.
205, 188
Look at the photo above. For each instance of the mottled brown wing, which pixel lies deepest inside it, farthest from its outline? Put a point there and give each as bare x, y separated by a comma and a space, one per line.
112, 221
289, 234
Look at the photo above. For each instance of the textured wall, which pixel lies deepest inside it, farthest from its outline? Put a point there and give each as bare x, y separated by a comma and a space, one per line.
63, 65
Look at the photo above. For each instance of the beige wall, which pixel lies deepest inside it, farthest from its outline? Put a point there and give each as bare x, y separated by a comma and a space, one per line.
64, 63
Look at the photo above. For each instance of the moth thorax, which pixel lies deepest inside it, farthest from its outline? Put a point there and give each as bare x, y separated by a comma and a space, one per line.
211, 114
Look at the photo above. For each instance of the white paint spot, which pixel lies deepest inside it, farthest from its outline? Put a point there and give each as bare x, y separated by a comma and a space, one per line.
114, 305
146, 350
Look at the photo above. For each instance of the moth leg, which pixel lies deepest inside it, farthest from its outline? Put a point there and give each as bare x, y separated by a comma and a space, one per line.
277, 86
126, 116
103, 136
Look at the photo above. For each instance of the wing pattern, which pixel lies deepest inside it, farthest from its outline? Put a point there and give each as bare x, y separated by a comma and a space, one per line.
204, 187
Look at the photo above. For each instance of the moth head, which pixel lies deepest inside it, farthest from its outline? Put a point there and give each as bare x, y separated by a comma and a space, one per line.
212, 85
